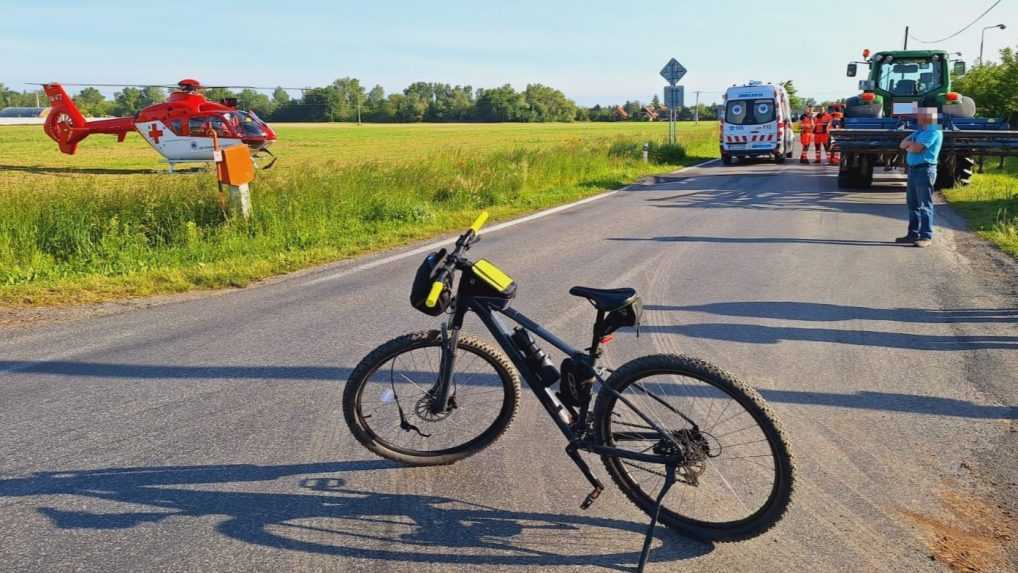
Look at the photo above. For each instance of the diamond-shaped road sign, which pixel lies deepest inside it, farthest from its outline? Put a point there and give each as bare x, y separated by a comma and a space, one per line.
673, 71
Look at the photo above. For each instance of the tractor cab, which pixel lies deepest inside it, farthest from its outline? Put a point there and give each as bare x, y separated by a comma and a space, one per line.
920, 77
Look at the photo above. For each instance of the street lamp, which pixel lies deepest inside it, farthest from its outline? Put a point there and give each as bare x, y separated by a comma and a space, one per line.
982, 35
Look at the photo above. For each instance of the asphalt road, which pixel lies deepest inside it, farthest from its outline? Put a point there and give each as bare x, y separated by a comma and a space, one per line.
207, 435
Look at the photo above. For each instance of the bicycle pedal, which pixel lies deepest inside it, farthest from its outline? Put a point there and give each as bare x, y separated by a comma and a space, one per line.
591, 497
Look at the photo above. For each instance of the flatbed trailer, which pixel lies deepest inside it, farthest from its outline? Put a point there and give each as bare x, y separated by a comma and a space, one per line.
866, 142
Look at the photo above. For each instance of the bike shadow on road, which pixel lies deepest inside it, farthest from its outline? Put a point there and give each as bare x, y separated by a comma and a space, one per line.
323, 516
822, 312
760, 334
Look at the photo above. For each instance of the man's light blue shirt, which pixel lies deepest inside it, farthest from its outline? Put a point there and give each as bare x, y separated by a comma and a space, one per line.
931, 138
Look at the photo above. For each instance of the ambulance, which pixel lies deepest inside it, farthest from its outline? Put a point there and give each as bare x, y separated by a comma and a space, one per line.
757, 122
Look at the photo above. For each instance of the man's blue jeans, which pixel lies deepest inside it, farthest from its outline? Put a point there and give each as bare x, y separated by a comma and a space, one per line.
920, 201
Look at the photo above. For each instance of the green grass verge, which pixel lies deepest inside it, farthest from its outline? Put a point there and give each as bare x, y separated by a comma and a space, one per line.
89, 232
990, 204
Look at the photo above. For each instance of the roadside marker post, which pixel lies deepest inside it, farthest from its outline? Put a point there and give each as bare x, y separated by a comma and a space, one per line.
236, 170
674, 94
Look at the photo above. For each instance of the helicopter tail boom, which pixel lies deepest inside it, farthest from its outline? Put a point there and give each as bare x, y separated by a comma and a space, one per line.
67, 126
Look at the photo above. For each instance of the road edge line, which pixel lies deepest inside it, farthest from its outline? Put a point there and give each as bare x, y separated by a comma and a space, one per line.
494, 228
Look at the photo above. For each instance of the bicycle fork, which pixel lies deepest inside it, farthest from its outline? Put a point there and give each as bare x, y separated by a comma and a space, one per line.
440, 397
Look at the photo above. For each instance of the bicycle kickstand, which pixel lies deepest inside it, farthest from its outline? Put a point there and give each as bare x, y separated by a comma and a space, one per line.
669, 482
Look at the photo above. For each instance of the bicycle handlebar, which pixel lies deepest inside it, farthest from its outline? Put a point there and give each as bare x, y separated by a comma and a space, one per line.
462, 244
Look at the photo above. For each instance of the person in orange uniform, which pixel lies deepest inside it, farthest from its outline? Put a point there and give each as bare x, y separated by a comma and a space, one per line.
837, 120
821, 128
806, 125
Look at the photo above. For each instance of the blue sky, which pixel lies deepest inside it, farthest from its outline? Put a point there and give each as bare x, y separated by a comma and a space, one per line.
596, 52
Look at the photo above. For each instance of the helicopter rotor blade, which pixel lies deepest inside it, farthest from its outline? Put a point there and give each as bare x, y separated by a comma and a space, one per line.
104, 85
167, 86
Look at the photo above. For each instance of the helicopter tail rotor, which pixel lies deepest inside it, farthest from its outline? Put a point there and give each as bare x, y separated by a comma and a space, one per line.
64, 124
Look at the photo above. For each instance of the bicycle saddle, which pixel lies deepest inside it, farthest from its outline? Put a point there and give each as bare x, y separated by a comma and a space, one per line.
605, 299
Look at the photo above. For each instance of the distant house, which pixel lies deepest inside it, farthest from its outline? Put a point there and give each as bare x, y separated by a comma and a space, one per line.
24, 112
23, 115
620, 113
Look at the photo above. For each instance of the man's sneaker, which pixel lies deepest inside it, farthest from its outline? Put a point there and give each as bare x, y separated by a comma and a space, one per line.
907, 239
804, 161
923, 243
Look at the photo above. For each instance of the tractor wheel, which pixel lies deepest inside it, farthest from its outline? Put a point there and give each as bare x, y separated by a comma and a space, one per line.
963, 169
964, 107
954, 171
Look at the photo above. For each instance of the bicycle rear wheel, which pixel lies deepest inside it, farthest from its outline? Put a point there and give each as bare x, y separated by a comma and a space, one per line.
737, 478
386, 401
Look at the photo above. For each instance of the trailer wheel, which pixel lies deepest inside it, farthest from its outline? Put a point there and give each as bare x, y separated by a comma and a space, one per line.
848, 171
865, 172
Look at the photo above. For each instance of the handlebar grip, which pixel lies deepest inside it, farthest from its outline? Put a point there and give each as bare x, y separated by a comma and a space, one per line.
436, 291
479, 222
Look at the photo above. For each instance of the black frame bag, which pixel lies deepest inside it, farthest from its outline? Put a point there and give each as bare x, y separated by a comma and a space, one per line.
425, 277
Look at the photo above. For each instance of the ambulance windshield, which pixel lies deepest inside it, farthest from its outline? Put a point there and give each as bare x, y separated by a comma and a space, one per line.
749, 111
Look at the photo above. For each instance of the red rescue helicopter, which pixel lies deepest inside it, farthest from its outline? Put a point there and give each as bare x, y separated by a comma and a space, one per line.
182, 129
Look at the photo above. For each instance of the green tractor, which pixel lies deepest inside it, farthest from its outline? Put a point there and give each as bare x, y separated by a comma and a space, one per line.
877, 120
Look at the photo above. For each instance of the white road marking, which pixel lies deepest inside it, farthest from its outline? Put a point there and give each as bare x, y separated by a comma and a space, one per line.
443, 242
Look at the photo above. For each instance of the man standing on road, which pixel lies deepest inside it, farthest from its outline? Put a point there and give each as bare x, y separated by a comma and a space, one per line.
821, 139
923, 148
806, 133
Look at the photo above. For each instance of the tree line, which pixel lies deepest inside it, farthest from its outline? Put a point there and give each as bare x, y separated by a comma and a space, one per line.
994, 86
347, 100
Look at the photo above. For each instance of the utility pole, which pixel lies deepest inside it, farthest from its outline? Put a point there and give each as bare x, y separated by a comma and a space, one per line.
906, 37
696, 110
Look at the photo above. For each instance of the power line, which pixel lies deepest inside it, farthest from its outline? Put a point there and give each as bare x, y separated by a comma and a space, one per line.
969, 25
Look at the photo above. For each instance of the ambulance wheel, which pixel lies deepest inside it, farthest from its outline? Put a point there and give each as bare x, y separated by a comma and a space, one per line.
779, 158
727, 159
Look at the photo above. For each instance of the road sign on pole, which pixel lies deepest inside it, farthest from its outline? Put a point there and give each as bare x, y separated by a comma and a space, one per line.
675, 96
673, 71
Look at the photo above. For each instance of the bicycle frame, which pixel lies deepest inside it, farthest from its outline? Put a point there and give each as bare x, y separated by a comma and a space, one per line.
572, 424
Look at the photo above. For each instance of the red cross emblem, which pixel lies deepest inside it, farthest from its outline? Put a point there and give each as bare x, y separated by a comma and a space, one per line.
155, 133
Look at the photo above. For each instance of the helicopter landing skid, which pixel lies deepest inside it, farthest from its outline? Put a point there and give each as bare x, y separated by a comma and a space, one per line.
171, 166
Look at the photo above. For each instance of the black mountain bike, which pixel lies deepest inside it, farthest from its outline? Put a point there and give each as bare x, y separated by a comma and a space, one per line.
437, 397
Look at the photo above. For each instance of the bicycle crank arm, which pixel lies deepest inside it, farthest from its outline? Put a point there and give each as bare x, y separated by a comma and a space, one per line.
574, 454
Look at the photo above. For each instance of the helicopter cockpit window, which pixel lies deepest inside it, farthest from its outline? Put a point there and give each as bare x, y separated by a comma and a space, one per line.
250, 125
177, 126
202, 126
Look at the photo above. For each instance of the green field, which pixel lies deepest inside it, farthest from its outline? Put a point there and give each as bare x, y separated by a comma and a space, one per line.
990, 204
108, 222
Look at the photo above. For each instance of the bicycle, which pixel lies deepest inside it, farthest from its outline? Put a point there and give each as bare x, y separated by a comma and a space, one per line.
657, 420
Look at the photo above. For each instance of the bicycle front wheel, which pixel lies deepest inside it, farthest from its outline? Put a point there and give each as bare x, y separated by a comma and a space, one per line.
387, 400
736, 477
